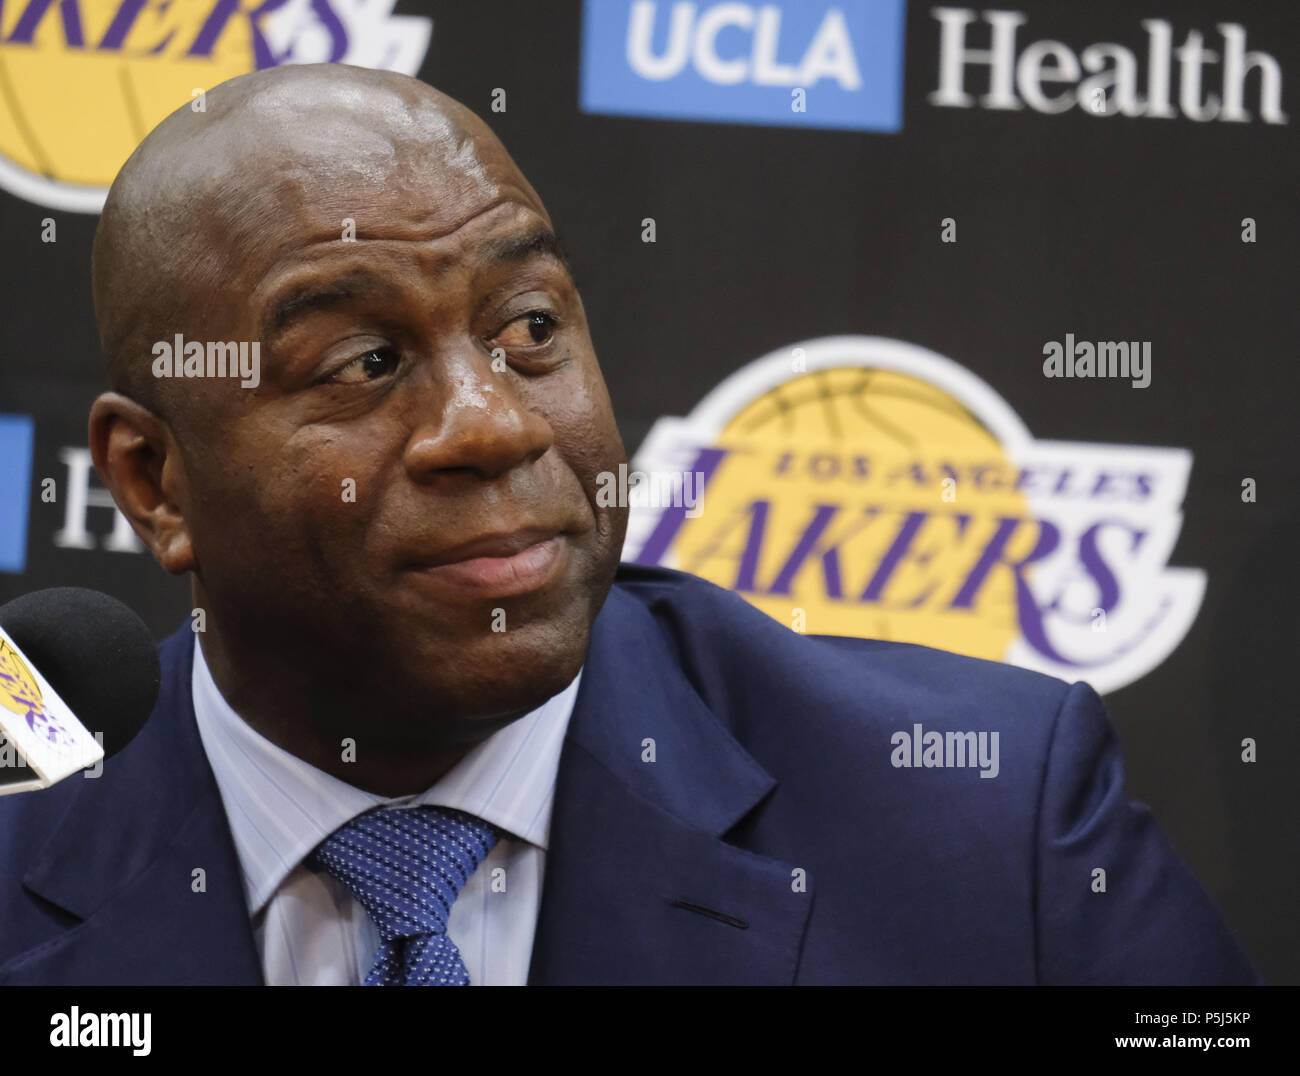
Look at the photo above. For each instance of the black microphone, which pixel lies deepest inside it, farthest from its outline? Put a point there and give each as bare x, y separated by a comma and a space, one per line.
99, 658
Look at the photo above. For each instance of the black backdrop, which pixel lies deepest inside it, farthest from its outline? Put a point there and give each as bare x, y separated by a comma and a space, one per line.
1111, 228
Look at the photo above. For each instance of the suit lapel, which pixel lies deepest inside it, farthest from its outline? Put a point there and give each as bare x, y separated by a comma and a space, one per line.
124, 859
640, 886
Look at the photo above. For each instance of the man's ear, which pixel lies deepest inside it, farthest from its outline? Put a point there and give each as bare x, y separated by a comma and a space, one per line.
139, 461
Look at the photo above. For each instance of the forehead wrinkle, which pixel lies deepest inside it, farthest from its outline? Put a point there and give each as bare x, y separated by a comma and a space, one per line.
334, 292
311, 259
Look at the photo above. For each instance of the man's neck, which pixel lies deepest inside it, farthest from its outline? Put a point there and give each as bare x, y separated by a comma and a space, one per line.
342, 746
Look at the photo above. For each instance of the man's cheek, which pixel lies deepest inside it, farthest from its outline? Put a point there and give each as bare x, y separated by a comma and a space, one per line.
277, 505
593, 458
332, 489
322, 473
586, 432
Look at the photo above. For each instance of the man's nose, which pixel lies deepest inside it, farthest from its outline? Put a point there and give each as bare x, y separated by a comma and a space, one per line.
474, 419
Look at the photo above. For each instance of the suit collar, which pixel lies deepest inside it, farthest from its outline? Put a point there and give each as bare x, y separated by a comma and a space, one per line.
506, 780
636, 704
640, 885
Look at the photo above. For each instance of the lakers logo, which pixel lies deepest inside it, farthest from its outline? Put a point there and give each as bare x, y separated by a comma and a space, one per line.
83, 81
21, 694
863, 486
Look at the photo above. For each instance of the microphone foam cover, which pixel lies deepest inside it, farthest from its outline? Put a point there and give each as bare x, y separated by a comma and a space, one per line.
95, 652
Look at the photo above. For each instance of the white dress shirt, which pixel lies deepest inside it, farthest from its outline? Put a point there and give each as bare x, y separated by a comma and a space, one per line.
308, 928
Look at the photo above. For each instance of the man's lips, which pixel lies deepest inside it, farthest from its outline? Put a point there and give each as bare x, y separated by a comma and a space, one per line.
500, 564
505, 544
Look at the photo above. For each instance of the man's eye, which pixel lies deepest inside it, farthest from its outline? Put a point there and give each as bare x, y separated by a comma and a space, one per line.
367, 367
531, 330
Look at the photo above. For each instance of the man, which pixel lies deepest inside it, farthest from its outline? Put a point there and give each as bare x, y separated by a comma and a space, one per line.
422, 728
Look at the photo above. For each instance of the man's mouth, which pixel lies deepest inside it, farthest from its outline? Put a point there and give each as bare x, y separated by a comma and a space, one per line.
500, 564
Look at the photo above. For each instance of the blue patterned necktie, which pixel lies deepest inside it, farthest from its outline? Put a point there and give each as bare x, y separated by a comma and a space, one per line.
406, 866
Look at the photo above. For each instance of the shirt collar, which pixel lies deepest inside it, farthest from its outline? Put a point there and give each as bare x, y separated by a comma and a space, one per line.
280, 807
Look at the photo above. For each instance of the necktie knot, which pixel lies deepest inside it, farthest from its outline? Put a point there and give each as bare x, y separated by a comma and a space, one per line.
406, 867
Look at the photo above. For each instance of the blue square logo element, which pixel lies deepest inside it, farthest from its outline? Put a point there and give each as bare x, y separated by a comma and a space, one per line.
16, 437
796, 63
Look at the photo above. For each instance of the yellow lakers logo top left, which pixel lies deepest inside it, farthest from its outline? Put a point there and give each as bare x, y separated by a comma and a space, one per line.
83, 81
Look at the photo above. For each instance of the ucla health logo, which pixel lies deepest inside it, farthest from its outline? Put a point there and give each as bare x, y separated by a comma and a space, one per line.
800, 63
83, 81
857, 485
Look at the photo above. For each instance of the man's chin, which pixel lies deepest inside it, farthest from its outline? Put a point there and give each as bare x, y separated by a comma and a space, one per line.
497, 679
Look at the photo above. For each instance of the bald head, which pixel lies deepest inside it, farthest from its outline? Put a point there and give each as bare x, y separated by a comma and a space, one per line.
424, 447
278, 157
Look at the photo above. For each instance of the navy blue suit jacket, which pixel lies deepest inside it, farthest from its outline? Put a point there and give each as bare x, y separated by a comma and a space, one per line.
771, 839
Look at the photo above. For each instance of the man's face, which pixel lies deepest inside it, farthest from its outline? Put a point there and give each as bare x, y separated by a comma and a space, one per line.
428, 385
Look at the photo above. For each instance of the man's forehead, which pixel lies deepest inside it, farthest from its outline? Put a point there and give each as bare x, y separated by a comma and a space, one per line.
364, 185
507, 232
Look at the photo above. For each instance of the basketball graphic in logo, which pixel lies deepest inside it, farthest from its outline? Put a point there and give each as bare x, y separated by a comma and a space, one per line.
822, 442
83, 81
